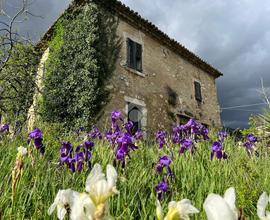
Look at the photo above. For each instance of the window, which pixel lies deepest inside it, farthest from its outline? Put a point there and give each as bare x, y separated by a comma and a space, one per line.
135, 115
182, 119
198, 92
134, 55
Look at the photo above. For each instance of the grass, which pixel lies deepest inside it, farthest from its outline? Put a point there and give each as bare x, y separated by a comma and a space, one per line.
195, 177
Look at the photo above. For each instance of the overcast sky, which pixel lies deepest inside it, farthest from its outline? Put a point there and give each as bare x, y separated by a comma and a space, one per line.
231, 35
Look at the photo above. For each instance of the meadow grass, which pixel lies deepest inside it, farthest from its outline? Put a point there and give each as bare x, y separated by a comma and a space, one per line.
195, 177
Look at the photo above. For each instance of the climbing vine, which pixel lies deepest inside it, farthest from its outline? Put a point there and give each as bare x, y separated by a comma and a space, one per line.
83, 53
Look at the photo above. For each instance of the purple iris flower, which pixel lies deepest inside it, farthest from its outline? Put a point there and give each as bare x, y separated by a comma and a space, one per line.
71, 164
4, 128
128, 126
205, 133
192, 126
217, 149
65, 152
222, 135
160, 137
36, 135
164, 162
112, 137
138, 135
177, 129
82, 155
115, 116
252, 138
185, 145
79, 159
161, 189
125, 143
89, 145
250, 143
176, 138
95, 133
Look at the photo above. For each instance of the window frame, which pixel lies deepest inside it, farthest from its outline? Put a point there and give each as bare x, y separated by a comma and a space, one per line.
134, 61
198, 91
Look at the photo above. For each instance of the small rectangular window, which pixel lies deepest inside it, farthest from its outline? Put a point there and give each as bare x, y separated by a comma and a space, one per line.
134, 55
198, 92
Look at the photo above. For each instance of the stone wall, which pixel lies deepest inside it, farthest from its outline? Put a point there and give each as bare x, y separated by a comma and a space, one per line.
164, 73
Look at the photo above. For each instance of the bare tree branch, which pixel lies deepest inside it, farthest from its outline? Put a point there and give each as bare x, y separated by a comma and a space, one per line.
265, 93
8, 38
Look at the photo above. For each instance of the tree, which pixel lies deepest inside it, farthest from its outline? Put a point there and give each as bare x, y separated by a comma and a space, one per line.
17, 66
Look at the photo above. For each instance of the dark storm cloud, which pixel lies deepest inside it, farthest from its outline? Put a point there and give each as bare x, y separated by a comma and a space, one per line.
45, 11
233, 36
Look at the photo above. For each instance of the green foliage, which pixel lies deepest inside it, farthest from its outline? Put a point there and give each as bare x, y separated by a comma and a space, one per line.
252, 127
83, 52
265, 118
195, 178
17, 83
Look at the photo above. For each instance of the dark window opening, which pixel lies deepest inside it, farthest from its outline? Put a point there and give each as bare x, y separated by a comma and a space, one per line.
182, 119
134, 55
135, 115
198, 92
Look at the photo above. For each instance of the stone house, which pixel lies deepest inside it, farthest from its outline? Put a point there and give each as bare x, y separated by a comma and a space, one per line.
157, 81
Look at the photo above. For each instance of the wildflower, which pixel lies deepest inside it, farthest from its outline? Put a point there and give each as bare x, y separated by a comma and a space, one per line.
65, 151
64, 202
36, 135
112, 136
82, 155
116, 115
91, 205
138, 135
222, 135
128, 126
204, 133
164, 161
217, 207
4, 128
18, 169
22, 151
160, 137
99, 187
185, 145
95, 133
177, 210
261, 206
250, 143
161, 189
252, 138
125, 144
217, 149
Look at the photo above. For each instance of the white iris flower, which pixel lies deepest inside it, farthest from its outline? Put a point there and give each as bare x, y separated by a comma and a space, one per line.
261, 206
91, 205
177, 210
64, 201
217, 207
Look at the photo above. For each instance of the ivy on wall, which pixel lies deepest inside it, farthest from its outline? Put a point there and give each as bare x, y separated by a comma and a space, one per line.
83, 53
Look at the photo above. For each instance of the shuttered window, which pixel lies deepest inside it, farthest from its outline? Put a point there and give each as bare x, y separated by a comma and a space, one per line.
134, 55
198, 92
